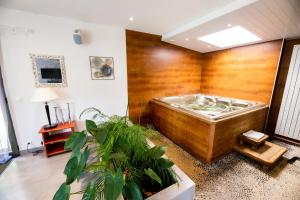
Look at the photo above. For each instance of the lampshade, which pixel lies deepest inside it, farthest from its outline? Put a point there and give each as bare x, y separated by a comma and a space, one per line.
43, 95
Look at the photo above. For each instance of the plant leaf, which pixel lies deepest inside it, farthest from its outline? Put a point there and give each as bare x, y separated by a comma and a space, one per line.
164, 163
91, 126
96, 167
90, 192
156, 152
76, 153
63, 193
113, 185
118, 156
132, 191
152, 174
101, 135
71, 170
76, 141
122, 145
82, 162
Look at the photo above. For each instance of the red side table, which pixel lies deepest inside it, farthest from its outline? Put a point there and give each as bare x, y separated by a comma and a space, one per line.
54, 139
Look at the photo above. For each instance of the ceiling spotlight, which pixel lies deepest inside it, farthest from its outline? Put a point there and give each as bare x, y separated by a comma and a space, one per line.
208, 46
229, 25
131, 19
187, 39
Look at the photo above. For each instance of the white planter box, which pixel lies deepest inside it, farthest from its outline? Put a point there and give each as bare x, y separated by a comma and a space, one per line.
183, 190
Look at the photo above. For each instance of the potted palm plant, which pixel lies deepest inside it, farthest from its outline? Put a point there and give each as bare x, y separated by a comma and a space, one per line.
119, 160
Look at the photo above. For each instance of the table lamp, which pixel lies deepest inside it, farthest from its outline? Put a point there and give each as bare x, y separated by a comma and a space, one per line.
45, 95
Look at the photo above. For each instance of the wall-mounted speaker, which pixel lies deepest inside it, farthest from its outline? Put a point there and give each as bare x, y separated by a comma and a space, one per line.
77, 37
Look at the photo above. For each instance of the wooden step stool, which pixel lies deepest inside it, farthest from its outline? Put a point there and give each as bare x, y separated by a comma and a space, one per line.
254, 143
260, 150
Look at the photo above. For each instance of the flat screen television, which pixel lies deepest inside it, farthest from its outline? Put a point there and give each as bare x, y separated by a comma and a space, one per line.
52, 75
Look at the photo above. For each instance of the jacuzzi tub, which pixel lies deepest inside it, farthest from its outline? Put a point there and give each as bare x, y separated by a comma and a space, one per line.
206, 126
210, 107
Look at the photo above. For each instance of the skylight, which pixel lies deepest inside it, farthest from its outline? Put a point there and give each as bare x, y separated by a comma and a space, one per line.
230, 37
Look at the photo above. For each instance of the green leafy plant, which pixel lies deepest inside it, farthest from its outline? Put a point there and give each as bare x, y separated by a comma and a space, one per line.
115, 155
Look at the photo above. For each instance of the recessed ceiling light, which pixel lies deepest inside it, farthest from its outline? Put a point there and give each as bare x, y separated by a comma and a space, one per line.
230, 37
172, 40
131, 19
229, 25
187, 39
208, 46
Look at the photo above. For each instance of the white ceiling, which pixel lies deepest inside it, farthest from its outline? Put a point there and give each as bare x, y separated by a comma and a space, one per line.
268, 19
177, 19
151, 16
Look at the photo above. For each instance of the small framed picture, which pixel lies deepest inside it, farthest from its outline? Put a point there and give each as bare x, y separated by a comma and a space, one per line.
49, 70
102, 68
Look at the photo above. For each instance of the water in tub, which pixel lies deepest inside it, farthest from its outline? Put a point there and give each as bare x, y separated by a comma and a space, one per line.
212, 106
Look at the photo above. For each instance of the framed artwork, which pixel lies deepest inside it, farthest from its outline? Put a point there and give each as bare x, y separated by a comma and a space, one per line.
49, 71
102, 68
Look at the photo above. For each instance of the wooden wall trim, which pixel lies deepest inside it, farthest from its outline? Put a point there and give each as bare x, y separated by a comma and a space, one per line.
274, 85
277, 68
287, 139
280, 84
211, 138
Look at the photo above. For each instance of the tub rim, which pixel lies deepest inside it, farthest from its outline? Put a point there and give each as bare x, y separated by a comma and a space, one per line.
203, 117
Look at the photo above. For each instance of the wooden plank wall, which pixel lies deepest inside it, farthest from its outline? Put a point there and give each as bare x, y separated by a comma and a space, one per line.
244, 72
158, 69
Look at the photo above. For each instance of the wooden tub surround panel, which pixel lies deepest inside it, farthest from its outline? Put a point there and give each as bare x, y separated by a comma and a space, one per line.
228, 130
207, 140
185, 130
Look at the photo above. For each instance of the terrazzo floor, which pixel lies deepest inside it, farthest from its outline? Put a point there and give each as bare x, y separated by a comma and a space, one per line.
235, 177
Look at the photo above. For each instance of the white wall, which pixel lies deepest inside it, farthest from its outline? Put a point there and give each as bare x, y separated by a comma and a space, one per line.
53, 36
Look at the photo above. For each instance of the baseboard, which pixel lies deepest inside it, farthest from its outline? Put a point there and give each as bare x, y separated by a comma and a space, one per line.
24, 152
288, 140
